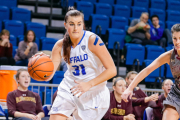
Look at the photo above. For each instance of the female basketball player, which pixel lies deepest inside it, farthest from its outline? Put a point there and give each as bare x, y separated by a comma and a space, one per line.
83, 90
137, 93
22, 103
171, 110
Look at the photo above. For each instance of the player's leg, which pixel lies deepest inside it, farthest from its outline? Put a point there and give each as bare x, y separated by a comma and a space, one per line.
170, 113
63, 106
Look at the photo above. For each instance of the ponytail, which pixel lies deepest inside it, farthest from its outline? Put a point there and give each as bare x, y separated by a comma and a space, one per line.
67, 47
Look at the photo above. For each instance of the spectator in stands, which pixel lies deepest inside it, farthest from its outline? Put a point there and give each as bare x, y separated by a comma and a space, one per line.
137, 93
158, 34
6, 49
139, 30
120, 110
24, 104
158, 105
26, 49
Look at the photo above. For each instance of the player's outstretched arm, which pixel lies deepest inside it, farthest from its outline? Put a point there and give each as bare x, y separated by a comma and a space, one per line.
162, 59
56, 56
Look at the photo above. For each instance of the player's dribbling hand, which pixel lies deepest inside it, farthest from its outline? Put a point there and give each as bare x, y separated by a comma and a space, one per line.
80, 88
40, 53
126, 94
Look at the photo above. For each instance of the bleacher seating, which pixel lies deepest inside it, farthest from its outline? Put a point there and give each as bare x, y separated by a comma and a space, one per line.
158, 4
13, 40
136, 11
173, 16
103, 9
115, 35
58, 76
169, 24
39, 29
111, 2
122, 10
160, 13
162, 24
151, 77
168, 73
141, 3
48, 43
0, 25
173, 5
99, 20
21, 14
86, 7
124, 2
14, 50
15, 27
93, 1
8, 3
4, 13
153, 52
118, 22
64, 3
134, 51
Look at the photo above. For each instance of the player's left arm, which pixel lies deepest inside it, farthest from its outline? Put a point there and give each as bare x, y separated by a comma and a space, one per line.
97, 47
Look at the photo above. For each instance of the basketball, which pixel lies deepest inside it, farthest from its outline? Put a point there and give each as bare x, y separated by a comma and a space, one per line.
40, 68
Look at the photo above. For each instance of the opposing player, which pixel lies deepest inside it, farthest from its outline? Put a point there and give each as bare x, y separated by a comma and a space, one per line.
171, 110
83, 90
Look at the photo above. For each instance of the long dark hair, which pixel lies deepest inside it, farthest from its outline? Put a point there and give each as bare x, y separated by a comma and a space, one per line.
67, 41
25, 37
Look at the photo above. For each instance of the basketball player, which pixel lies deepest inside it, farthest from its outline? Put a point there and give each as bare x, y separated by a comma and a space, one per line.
24, 104
137, 93
158, 105
171, 110
83, 90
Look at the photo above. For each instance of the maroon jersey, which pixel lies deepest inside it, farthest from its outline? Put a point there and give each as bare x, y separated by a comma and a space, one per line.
24, 102
139, 110
117, 110
157, 107
6, 51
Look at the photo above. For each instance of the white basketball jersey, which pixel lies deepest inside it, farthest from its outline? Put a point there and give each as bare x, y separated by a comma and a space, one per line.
84, 65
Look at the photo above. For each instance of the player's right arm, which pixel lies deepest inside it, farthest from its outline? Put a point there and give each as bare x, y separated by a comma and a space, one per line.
56, 56
162, 59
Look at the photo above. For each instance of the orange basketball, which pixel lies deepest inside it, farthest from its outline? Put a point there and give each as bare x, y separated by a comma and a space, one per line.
40, 68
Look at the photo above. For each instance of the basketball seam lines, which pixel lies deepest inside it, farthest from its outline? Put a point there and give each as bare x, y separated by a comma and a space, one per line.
40, 70
42, 63
33, 64
38, 75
